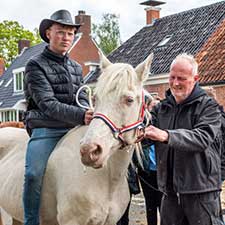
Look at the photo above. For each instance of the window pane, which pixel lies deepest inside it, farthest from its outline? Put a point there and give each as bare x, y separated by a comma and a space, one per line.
19, 81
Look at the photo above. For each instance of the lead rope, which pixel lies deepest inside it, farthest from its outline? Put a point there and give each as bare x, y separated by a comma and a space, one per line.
89, 97
85, 107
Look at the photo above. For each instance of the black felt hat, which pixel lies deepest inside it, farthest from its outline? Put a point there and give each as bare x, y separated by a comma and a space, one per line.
62, 17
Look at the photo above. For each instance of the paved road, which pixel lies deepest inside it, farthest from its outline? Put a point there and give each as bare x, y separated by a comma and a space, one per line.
137, 211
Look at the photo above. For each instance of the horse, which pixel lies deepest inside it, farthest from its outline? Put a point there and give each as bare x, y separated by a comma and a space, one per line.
74, 194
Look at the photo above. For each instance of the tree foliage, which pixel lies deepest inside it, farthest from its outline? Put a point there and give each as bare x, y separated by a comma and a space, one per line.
107, 33
10, 34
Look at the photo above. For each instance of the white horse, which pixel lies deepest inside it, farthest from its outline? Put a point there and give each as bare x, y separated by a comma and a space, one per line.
72, 194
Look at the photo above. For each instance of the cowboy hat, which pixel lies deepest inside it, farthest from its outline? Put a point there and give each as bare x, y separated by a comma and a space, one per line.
61, 17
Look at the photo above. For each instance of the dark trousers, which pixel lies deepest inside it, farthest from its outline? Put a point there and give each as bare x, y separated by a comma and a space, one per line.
152, 196
191, 209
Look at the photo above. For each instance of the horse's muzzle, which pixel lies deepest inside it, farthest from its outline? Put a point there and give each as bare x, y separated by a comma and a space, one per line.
91, 155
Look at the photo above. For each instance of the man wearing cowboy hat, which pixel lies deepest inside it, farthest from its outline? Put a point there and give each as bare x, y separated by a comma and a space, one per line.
50, 84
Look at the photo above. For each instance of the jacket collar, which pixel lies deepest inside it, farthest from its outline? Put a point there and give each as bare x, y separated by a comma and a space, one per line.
55, 57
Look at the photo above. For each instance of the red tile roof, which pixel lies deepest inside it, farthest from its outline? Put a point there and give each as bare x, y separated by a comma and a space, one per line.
211, 58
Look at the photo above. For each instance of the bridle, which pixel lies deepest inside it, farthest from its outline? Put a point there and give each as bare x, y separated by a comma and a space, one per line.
118, 131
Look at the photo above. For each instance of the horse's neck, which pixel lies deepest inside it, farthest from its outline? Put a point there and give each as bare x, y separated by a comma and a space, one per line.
115, 170
117, 165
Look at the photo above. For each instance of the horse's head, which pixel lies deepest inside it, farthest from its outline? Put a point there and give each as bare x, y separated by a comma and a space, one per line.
118, 111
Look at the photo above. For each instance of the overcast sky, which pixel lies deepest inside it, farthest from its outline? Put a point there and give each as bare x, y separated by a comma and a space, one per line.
29, 13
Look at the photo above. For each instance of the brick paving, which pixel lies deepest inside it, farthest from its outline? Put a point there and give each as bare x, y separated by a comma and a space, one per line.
137, 211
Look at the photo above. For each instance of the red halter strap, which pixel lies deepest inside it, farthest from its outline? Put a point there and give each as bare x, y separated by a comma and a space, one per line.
118, 131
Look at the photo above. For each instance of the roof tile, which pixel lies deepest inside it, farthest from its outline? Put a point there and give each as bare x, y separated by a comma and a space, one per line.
211, 58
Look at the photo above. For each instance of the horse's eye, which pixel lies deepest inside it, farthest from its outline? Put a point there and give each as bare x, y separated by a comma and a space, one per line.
129, 100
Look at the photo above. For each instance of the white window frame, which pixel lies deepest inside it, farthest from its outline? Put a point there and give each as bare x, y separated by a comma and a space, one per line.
1, 82
9, 82
9, 116
16, 72
164, 41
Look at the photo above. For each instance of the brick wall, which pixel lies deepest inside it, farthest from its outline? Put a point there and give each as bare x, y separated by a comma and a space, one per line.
157, 88
85, 50
220, 94
2, 66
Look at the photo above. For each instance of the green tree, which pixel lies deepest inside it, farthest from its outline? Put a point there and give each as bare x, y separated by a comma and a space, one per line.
107, 34
10, 33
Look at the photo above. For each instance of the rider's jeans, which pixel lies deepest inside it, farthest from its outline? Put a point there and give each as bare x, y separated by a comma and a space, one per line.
40, 146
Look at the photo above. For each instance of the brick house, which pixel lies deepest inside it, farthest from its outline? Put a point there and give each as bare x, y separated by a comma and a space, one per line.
84, 50
199, 31
211, 59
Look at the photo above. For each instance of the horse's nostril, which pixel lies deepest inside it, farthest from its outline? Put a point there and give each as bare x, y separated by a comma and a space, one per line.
97, 151
93, 151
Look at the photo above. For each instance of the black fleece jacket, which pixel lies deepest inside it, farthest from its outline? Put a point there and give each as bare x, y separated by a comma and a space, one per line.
190, 161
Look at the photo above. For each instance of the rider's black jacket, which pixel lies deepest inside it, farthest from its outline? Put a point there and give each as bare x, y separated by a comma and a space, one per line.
50, 84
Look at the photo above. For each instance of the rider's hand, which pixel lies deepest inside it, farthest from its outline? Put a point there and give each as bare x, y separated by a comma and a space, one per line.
88, 116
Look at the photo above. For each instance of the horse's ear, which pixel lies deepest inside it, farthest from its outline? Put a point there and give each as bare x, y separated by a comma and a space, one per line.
104, 62
143, 68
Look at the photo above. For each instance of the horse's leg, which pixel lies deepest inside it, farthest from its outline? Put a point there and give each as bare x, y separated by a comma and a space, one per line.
16, 222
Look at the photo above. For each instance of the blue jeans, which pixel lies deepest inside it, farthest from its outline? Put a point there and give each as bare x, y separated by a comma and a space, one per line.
40, 147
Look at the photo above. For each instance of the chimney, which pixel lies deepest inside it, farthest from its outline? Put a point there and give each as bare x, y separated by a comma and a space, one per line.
152, 11
23, 44
2, 66
85, 21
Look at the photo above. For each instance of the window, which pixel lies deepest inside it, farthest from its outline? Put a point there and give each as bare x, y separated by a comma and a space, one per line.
18, 81
5, 116
18, 75
10, 115
165, 40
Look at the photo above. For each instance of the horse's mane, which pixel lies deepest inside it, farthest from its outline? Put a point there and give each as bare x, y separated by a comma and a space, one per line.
117, 76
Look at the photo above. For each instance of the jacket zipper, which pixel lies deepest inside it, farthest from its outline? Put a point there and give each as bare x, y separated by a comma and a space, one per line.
70, 82
178, 198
